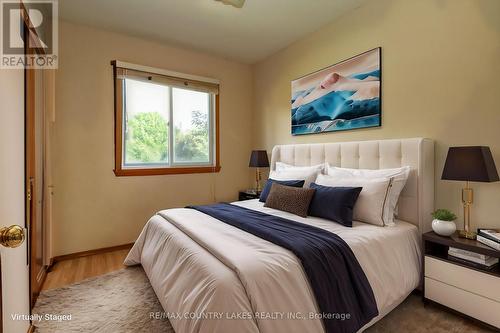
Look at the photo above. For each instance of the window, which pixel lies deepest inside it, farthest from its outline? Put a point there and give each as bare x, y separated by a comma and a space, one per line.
165, 122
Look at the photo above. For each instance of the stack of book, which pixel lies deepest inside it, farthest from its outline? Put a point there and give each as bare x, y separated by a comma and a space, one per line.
477, 259
489, 237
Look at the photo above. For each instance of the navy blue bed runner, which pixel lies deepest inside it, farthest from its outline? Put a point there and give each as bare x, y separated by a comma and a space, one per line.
336, 278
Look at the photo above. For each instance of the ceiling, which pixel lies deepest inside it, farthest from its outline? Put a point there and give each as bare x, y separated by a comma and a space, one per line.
249, 34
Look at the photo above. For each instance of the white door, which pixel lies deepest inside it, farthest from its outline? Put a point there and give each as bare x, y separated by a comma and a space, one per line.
14, 262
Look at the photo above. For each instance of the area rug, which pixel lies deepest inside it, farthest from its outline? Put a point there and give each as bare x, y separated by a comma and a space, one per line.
412, 316
123, 301
118, 302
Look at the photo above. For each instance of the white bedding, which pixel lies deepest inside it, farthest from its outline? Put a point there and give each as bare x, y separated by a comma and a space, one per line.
209, 275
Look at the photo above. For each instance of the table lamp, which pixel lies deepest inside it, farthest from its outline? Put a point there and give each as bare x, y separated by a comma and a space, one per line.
469, 164
258, 159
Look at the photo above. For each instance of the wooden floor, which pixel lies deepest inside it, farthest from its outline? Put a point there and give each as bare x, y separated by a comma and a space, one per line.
74, 270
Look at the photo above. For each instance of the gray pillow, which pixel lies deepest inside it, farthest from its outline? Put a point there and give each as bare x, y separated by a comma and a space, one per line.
295, 200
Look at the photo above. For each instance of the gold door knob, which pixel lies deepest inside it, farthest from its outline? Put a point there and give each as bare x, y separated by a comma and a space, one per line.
12, 236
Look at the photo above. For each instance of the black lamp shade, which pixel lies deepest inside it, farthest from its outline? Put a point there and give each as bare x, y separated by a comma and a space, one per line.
259, 159
473, 164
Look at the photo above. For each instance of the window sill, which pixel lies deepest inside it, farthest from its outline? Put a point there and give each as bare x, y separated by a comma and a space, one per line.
165, 171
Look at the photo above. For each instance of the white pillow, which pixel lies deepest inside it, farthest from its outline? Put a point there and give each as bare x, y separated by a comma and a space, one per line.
280, 166
372, 205
399, 175
376, 173
292, 174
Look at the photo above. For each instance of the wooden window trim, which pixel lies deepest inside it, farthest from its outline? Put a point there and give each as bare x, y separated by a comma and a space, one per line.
121, 172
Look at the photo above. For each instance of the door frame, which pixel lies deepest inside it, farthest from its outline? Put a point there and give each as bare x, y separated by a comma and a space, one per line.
30, 92
35, 280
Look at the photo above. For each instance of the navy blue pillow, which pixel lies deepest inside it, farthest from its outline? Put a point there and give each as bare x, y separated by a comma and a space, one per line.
334, 203
269, 183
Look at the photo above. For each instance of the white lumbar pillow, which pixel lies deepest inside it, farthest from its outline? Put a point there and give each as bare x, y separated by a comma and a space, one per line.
280, 166
373, 204
399, 176
308, 175
368, 173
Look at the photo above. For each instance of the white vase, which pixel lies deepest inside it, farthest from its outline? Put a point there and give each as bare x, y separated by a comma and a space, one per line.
443, 228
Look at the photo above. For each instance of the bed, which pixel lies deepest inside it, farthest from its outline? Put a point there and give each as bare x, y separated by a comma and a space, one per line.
212, 277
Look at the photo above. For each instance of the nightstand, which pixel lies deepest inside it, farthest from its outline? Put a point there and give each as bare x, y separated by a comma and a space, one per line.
248, 195
462, 287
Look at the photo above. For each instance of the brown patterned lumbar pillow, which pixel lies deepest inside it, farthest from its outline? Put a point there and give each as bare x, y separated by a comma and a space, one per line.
294, 200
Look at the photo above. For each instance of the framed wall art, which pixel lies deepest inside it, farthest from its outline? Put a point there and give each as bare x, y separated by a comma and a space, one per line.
340, 97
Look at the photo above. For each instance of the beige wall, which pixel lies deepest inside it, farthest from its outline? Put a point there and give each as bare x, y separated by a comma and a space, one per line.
441, 80
92, 207
441, 67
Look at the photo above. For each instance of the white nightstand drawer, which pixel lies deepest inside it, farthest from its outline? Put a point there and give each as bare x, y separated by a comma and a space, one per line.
470, 280
468, 303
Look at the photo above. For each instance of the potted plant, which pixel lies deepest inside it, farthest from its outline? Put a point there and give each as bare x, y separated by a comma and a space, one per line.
443, 222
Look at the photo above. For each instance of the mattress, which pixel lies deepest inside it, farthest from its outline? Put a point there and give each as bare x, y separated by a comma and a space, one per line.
212, 277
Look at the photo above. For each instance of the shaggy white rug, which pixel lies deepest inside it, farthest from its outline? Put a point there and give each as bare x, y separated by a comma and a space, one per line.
123, 301
117, 302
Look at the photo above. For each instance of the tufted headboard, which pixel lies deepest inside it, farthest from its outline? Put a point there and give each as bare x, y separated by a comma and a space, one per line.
417, 198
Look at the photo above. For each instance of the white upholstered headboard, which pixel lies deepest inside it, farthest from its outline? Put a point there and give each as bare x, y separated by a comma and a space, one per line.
416, 202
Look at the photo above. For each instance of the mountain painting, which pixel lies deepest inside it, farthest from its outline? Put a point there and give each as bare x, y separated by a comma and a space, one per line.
341, 97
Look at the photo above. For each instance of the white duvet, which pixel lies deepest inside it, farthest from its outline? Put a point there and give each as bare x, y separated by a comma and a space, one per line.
212, 277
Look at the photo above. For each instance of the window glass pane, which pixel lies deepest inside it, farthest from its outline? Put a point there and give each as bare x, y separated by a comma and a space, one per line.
191, 111
147, 121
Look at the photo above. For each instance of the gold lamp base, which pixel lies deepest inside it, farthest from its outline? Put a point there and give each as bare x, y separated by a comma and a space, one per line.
467, 234
258, 177
467, 199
